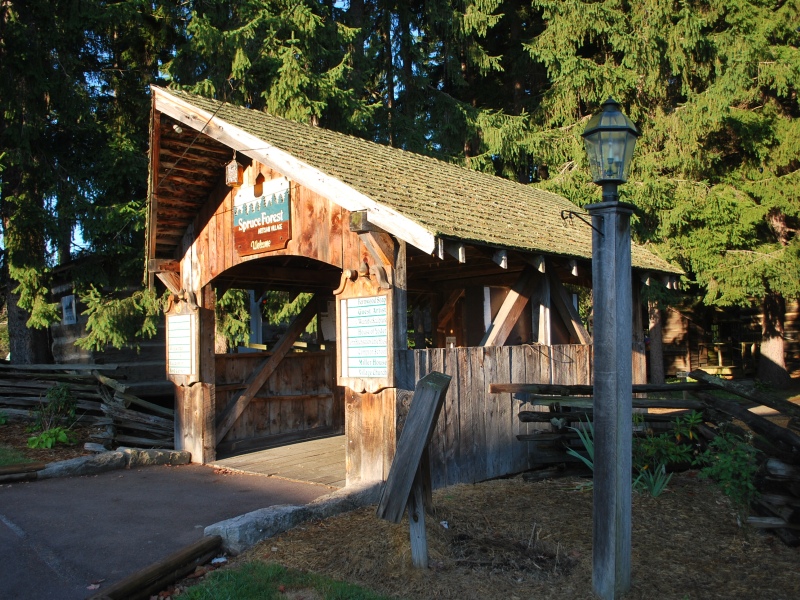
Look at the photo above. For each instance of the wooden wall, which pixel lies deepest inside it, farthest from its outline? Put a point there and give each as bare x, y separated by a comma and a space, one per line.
299, 401
320, 230
475, 436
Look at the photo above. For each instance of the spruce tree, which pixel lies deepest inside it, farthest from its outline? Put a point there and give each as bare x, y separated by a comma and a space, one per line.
73, 131
712, 86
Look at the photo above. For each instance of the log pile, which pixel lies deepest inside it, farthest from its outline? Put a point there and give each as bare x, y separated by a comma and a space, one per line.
720, 402
115, 416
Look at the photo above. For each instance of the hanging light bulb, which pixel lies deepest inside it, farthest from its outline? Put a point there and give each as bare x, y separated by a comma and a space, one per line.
234, 173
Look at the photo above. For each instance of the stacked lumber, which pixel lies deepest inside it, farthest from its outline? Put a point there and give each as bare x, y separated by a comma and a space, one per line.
115, 416
720, 402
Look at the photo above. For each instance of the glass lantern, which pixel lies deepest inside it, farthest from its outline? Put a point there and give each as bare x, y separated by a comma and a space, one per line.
610, 138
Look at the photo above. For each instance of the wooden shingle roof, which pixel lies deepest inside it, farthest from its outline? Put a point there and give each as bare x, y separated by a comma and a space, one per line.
439, 199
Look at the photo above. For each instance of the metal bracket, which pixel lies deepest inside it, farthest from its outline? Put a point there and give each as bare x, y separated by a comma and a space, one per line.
569, 214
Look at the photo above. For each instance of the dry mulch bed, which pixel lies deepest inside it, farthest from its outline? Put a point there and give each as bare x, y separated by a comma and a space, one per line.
518, 540
15, 435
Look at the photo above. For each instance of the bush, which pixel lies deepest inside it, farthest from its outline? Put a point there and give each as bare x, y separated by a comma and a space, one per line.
58, 407
50, 437
732, 464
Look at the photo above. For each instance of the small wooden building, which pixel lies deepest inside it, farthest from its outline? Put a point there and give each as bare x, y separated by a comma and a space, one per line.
415, 264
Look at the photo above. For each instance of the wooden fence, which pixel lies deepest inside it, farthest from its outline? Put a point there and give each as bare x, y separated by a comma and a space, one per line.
475, 437
300, 399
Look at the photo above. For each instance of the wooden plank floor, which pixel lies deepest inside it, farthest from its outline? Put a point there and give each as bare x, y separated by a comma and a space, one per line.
315, 461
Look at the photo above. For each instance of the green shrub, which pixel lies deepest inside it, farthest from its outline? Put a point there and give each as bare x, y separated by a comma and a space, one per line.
653, 481
668, 448
50, 437
732, 464
58, 407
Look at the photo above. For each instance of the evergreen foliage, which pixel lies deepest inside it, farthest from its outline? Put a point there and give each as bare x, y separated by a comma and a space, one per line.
119, 321
503, 86
712, 86
232, 313
73, 131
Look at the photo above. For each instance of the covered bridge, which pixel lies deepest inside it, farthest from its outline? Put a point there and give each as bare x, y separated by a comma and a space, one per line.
415, 265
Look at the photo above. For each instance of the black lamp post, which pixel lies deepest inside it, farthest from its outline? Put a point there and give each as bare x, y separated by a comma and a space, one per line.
610, 138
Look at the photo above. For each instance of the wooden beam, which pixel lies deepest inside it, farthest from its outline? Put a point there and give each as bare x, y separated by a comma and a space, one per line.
588, 390
573, 267
765, 427
161, 574
239, 403
160, 265
380, 247
513, 305
171, 280
151, 226
753, 395
455, 249
447, 311
501, 258
537, 262
570, 316
359, 222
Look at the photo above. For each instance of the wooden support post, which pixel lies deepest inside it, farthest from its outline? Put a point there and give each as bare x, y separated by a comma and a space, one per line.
611, 281
416, 522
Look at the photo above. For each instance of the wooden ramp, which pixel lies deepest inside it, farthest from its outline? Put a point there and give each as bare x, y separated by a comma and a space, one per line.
316, 461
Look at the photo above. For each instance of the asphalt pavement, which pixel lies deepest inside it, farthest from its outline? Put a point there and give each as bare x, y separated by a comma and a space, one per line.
58, 537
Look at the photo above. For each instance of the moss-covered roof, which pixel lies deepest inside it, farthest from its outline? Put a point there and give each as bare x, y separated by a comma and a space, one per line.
447, 200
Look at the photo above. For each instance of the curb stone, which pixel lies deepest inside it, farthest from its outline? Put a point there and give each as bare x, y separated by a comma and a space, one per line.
121, 458
244, 531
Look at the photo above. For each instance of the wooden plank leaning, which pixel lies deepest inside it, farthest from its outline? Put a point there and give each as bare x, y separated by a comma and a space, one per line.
407, 484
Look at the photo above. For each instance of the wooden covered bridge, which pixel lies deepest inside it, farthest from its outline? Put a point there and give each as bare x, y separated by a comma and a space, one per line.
416, 265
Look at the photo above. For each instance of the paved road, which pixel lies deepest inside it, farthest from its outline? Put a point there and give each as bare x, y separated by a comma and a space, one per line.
59, 536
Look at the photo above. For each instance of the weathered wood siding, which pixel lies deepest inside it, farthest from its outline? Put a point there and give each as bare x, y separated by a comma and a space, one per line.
475, 437
320, 230
300, 400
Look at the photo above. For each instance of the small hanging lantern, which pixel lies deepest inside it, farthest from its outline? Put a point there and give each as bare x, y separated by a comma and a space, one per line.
234, 173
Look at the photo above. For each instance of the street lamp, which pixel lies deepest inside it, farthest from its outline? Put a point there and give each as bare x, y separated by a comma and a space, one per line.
610, 138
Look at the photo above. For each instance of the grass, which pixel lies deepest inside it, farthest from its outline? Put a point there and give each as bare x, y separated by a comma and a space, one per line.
11, 456
262, 581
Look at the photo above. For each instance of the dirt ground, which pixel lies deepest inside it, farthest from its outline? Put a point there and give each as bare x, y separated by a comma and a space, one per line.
15, 435
519, 540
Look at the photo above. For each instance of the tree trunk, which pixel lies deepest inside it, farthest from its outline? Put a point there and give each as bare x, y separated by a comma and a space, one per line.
772, 363
656, 343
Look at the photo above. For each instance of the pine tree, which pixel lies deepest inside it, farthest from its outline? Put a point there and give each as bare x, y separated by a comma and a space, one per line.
712, 86
73, 129
287, 57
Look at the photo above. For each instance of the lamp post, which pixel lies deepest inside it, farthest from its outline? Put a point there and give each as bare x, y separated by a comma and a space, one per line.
610, 138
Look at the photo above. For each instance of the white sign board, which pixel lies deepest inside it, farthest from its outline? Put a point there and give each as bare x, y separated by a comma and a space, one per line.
68, 312
180, 345
364, 344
